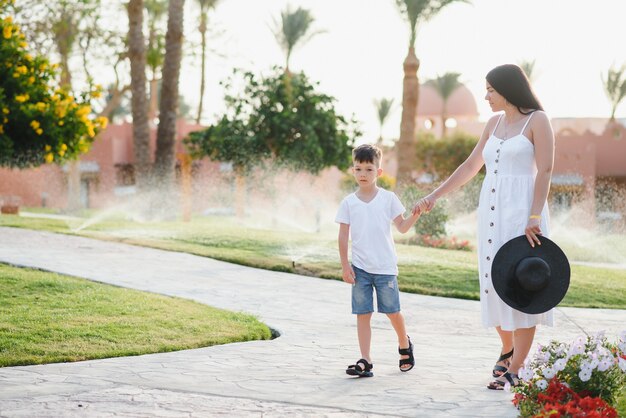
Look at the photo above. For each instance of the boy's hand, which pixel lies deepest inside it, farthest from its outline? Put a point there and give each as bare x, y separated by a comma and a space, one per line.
348, 274
425, 204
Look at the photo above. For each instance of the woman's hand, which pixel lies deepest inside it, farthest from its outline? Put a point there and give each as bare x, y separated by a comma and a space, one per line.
533, 229
426, 204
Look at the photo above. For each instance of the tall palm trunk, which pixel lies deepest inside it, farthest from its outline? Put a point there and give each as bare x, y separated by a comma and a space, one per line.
444, 116
139, 102
64, 36
166, 133
406, 144
202, 29
154, 98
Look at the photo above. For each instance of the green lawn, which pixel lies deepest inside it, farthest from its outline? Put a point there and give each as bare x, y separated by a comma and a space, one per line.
50, 318
422, 270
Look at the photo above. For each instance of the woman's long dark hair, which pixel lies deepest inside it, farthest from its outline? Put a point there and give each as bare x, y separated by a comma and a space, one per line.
511, 82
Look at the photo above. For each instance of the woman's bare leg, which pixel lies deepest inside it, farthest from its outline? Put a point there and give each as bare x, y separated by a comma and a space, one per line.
507, 345
523, 341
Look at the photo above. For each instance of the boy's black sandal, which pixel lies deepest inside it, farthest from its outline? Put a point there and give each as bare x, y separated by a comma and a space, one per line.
511, 378
500, 370
362, 368
405, 361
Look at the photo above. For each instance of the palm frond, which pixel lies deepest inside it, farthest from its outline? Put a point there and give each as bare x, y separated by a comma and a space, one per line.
294, 29
615, 87
383, 108
205, 5
446, 84
529, 68
416, 11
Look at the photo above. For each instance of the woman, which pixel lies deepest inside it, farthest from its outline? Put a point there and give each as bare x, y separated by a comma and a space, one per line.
517, 148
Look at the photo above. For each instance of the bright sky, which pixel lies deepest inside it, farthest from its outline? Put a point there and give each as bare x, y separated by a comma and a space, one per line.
359, 56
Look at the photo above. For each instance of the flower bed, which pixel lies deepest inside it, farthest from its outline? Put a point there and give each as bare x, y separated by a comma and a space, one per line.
447, 243
581, 379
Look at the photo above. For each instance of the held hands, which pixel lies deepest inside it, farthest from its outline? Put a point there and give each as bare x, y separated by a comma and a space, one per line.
533, 228
425, 204
347, 274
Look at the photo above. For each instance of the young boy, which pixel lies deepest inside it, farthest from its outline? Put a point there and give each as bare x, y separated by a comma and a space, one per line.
365, 216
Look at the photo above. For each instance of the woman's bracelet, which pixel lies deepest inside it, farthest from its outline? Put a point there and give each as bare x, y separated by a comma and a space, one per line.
534, 217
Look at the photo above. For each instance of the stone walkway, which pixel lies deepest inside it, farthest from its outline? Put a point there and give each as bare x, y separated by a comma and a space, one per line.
299, 374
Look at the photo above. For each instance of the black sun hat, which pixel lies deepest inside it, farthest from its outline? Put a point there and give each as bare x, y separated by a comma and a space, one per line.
532, 280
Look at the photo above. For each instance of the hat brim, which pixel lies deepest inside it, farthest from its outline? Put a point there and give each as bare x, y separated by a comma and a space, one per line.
505, 282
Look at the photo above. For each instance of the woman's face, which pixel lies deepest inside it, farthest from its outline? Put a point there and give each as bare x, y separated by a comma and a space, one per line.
496, 101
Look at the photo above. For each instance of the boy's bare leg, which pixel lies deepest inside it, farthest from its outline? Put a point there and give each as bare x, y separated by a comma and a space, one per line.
397, 322
364, 331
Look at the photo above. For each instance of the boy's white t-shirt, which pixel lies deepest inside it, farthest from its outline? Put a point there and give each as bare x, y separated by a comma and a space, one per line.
373, 249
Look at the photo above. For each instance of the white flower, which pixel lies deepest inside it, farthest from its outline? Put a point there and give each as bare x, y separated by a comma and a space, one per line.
560, 364
605, 364
622, 346
543, 358
549, 372
604, 352
586, 366
507, 387
525, 373
594, 363
622, 364
542, 384
576, 348
600, 335
622, 335
584, 375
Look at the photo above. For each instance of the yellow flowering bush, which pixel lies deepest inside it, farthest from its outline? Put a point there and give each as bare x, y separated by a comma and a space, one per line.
39, 123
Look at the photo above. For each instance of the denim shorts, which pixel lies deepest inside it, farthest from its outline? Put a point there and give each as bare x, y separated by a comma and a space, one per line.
387, 293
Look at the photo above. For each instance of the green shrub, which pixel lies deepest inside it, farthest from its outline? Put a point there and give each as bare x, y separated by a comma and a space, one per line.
39, 123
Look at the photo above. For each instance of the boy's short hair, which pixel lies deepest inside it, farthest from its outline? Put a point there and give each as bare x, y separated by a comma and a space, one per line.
367, 153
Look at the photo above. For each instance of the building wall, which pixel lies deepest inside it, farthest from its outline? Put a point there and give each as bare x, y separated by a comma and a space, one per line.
47, 185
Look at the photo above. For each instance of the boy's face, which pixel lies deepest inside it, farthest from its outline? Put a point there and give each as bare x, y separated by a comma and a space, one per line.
366, 173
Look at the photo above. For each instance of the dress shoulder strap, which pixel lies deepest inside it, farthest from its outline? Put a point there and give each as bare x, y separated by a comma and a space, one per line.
526, 124
497, 123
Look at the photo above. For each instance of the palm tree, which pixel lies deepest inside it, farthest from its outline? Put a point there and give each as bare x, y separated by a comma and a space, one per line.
154, 55
615, 87
529, 69
293, 30
415, 11
383, 108
445, 85
205, 6
139, 101
166, 132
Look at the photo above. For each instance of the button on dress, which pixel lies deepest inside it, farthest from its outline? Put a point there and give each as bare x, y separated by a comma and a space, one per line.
503, 211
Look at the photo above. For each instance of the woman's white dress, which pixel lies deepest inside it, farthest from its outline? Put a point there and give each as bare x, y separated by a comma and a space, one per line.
503, 211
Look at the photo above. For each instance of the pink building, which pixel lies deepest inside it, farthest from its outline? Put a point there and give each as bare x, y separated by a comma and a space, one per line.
106, 172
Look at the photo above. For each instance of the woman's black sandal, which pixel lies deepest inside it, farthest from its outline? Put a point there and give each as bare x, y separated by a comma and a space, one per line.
500, 370
357, 370
511, 378
405, 361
